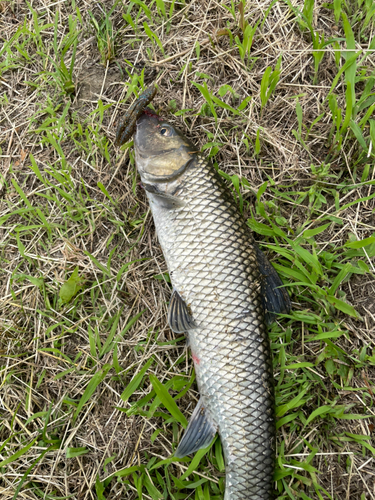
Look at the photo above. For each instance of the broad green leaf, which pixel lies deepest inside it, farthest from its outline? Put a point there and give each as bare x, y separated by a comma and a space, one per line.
224, 105
264, 86
349, 106
161, 7
219, 455
34, 167
224, 89
337, 10
99, 488
108, 343
352, 416
206, 94
168, 461
286, 420
293, 273
127, 471
151, 489
308, 9
38, 282
144, 7
309, 258
261, 190
350, 62
71, 287
303, 364
244, 103
32, 466
21, 193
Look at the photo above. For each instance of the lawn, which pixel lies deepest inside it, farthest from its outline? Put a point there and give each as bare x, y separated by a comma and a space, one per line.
95, 389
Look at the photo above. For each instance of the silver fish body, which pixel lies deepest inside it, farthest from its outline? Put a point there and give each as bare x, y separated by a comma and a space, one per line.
213, 266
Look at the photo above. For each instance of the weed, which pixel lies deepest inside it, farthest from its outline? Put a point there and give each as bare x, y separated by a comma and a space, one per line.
105, 36
269, 82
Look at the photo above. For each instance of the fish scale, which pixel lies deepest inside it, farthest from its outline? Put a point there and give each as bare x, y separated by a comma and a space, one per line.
213, 265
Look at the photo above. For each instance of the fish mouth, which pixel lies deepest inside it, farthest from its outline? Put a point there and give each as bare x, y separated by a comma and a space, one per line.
148, 118
150, 112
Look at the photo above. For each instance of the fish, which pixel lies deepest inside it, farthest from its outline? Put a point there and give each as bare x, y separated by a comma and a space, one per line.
225, 291
126, 127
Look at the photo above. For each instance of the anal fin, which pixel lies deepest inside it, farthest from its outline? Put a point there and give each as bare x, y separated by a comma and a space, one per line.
199, 433
274, 295
179, 316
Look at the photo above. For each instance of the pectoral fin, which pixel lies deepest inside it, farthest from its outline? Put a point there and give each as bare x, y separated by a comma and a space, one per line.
199, 433
163, 200
179, 316
275, 297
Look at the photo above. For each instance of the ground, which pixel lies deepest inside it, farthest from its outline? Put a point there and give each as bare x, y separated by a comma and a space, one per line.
94, 386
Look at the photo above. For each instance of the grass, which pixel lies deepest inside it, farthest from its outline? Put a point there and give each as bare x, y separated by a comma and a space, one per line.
94, 387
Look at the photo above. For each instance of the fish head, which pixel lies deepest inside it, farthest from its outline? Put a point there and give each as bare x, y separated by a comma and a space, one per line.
162, 152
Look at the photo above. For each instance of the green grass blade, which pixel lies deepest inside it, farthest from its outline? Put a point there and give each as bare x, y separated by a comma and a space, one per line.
18, 453
337, 10
95, 381
342, 306
100, 266
358, 134
340, 278
108, 343
196, 460
135, 381
168, 401
350, 44
349, 107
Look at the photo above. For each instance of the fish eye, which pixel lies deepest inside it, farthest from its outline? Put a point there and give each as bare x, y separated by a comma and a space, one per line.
165, 131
